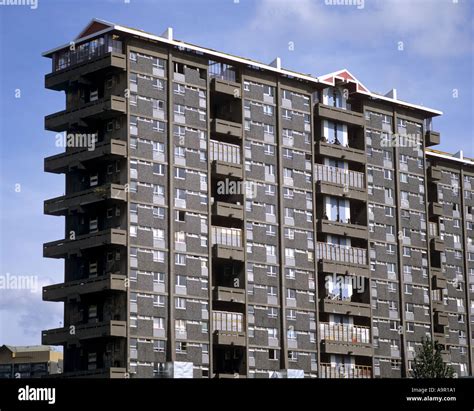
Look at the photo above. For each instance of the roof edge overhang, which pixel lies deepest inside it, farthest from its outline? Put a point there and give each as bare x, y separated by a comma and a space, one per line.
320, 81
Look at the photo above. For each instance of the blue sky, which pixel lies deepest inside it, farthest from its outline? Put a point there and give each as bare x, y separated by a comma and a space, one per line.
435, 68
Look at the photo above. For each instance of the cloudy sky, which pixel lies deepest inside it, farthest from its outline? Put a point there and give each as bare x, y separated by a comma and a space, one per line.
423, 48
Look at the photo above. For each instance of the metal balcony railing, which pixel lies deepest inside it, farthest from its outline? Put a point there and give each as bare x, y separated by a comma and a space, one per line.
340, 176
86, 51
345, 332
341, 254
344, 371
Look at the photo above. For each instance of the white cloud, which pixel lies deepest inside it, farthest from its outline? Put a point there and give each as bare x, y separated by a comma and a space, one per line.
23, 314
428, 28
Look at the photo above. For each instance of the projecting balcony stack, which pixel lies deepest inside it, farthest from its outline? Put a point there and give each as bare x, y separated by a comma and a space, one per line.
342, 244
99, 292
227, 236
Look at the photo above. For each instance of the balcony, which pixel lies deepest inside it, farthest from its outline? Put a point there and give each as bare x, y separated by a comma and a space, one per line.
63, 248
342, 260
229, 376
63, 162
446, 356
325, 149
228, 210
226, 87
340, 114
435, 209
438, 279
227, 170
111, 372
440, 337
441, 318
229, 338
229, 294
228, 128
61, 292
345, 229
432, 138
228, 328
339, 182
437, 244
59, 336
434, 173
110, 62
62, 205
104, 108
327, 370
345, 307
226, 252
439, 282
345, 339
227, 243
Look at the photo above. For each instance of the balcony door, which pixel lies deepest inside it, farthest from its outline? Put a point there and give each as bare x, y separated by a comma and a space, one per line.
337, 209
335, 132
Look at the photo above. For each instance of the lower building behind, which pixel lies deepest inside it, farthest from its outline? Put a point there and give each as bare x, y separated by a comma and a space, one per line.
31, 361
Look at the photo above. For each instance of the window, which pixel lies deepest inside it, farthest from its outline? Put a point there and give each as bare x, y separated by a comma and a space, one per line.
180, 259
268, 91
158, 212
159, 169
272, 312
180, 303
180, 173
267, 110
291, 294
158, 256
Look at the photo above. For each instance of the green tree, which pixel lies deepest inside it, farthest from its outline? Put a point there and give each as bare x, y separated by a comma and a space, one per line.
428, 362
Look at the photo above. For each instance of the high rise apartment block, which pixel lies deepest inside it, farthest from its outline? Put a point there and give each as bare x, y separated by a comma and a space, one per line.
229, 218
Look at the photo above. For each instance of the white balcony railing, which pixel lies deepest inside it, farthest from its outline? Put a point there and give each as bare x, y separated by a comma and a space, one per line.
344, 371
341, 254
227, 236
229, 153
345, 332
227, 321
340, 176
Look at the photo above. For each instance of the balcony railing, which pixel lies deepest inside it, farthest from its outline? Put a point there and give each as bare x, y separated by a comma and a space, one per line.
345, 332
340, 176
344, 371
228, 321
228, 153
86, 51
341, 254
433, 228
227, 236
